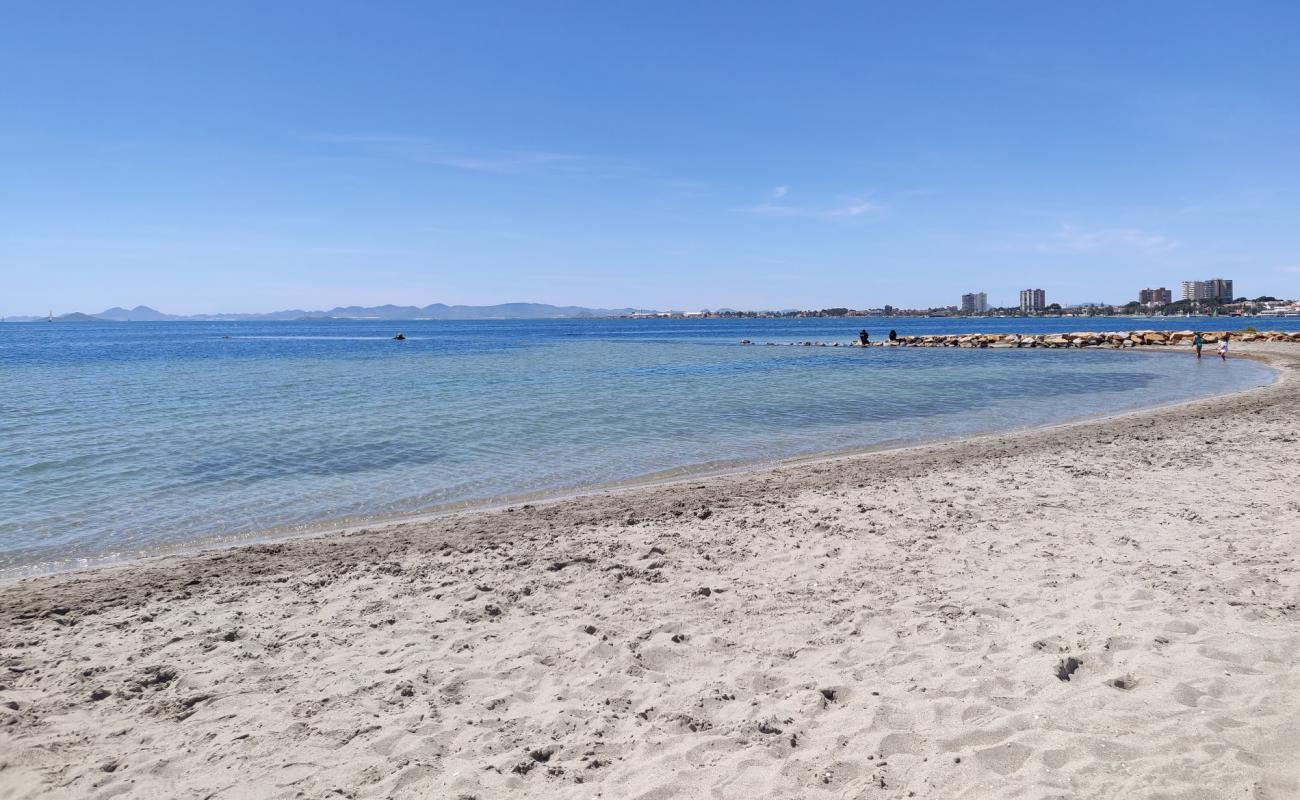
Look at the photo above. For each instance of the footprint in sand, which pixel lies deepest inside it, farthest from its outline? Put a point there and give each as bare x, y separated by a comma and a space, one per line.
1004, 759
1066, 667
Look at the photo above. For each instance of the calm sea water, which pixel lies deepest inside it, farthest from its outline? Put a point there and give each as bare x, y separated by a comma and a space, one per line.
119, 440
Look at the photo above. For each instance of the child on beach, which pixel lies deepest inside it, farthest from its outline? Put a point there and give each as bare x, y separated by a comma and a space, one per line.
1196, 342
1223, 347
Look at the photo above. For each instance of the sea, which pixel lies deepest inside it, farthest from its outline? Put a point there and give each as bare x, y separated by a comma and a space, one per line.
122, 440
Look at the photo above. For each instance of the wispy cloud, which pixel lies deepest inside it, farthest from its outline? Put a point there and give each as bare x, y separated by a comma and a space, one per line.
847, 208
853, 208
433, 153
1073, 239
1289, 269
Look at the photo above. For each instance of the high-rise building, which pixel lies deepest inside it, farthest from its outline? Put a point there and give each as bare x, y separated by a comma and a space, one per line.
1155, 297
1220, 289
974, 303
1195, 290
1212, 289
1032, 300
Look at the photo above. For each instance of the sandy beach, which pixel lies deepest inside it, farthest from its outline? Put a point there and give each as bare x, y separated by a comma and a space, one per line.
1109, 608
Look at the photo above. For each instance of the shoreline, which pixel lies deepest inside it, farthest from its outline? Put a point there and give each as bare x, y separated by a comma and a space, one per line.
1104, 608
694, 472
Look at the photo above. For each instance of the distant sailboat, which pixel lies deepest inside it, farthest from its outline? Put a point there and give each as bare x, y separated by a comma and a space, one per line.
50, 317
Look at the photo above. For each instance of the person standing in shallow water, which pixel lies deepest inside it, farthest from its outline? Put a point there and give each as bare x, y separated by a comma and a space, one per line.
863, 336
1223, 347
1197, 342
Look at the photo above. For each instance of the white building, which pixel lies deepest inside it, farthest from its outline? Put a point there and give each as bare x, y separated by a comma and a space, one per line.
1032, 300
1195, 290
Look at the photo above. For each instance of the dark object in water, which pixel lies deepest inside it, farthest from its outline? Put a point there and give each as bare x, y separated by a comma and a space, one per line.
401, 337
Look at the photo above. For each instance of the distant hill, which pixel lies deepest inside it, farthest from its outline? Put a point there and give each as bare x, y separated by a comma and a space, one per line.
394, 312
137, 314
442, 311
389, 312
75, 316
519, 311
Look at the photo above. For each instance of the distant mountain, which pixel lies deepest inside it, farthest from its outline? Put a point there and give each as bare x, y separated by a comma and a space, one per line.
434, 311
137, 314
519, 311
75, 316
388, 312
372, 312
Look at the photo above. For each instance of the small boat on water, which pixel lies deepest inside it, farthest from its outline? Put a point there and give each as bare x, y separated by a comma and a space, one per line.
400, 337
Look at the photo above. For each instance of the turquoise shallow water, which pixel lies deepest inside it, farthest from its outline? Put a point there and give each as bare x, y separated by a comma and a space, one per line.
123, 440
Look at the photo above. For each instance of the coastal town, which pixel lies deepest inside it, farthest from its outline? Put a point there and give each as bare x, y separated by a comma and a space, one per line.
1210, 297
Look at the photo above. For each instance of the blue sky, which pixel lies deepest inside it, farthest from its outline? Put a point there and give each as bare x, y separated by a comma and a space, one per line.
203, 157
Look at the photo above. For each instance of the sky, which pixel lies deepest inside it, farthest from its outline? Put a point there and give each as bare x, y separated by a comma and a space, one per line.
253, 156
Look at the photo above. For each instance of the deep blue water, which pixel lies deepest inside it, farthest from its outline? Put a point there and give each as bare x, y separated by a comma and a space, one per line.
118, 440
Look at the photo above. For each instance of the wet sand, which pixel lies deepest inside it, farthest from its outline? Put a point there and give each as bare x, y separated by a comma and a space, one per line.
1109, 608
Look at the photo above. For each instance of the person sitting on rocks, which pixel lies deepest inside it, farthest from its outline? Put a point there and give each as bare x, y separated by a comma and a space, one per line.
863, 336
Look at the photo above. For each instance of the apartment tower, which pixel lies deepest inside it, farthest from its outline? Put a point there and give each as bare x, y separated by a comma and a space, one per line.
1032, 300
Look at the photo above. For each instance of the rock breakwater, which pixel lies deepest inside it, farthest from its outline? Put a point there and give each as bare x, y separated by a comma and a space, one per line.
1058, 340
